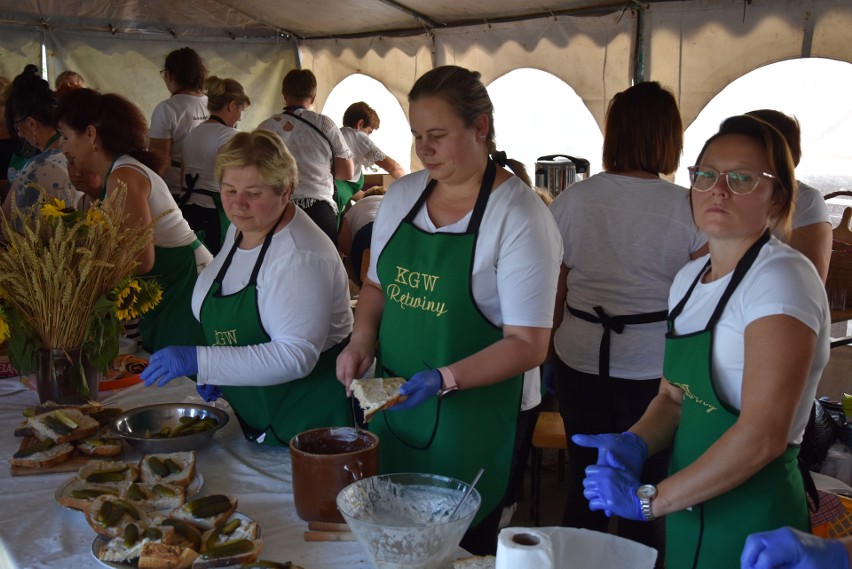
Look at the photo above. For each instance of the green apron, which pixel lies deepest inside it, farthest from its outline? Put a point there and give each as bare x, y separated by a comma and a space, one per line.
345, 191
712, 534
430, 320
271, 414
171, 322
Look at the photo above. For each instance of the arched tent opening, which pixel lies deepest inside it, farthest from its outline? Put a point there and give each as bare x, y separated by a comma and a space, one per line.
393, 135
538, 114
815, 91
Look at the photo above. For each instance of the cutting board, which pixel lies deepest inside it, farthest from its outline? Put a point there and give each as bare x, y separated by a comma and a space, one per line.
73, 464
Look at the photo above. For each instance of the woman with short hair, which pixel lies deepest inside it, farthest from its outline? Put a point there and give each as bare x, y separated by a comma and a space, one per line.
274, 304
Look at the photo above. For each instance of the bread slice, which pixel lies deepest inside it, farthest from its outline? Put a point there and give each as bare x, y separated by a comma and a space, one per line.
108, 515
100, 445
196, 511
377, 393
476, 562
78, 494
179, 468
236, 528
63, 425
78, 402
156, 555
108, 471
55, 454
247, 550
154, 497
119, 550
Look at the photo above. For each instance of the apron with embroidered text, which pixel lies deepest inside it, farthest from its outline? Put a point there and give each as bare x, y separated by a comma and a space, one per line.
712, 534
431, 320
270, 414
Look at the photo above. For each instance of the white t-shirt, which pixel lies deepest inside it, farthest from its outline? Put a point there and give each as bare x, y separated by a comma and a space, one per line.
174, 118
311, 151
171, 230
200, 148
365, 153
516, 259
625, 239
810, 207
49, 171
781, 281
363, 212
303, 303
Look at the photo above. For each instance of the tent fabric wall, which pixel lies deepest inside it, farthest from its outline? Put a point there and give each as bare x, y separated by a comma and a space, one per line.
698, 47
132, 66
18, 47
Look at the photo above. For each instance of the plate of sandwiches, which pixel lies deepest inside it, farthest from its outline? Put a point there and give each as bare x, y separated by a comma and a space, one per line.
156, 482
204, 533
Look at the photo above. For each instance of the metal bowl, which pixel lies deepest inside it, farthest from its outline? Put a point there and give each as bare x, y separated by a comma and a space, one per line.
138, 426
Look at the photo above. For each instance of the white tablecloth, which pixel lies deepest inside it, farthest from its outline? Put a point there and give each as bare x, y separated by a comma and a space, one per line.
36, 532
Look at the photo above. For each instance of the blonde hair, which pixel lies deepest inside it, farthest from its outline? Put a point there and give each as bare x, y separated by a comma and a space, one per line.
265, 151
375, 191
221, 91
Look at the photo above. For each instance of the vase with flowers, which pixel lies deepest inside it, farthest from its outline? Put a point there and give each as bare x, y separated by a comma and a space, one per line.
67, 283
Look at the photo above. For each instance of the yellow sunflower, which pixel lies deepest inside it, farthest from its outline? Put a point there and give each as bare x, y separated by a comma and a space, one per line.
4, 326
94, 217
54, 208
126, 296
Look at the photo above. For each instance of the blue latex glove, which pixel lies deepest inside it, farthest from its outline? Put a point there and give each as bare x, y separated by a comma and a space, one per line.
209, 392
612, 490
169, 363
626, 451
422, 386
787, 548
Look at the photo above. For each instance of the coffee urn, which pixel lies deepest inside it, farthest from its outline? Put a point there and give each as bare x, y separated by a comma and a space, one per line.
556, 172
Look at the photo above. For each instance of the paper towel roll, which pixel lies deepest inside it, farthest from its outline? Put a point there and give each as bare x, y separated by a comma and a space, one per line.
524, 547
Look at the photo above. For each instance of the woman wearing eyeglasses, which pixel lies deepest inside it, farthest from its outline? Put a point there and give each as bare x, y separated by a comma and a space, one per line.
747, 342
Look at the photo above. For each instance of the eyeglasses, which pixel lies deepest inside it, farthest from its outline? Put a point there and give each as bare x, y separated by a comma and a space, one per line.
17, 122
741, 182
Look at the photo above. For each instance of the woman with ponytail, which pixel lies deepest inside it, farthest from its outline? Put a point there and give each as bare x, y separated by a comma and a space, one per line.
459, 294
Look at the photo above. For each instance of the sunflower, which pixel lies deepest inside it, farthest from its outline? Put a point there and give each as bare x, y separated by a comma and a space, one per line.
150, 296
54, 208
126, 297
4, 326
94, 217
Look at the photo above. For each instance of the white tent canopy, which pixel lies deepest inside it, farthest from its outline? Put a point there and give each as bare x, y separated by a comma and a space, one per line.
695, 47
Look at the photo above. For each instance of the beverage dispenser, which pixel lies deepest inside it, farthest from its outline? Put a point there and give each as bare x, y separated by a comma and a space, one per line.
556, 172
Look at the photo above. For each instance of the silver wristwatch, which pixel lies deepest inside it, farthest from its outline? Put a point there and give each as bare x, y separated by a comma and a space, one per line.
646, 494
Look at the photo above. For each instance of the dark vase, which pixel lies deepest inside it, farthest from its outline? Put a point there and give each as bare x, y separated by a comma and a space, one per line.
57, 376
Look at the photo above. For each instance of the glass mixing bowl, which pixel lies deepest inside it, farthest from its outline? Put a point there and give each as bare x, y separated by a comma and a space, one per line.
402, 520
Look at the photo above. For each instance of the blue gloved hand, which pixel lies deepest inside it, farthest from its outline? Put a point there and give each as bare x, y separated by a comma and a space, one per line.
169, 363
787, 548
422, 386
209, 392
612, 490
626, 451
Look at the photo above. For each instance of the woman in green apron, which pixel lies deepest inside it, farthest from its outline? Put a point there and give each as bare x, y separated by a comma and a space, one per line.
274, 304
747, 342
459, 295
201, 202
107, 134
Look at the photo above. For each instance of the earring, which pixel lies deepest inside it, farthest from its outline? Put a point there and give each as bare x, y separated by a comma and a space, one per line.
94, 148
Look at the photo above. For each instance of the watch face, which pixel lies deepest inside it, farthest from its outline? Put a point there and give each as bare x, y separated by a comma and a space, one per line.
646, 491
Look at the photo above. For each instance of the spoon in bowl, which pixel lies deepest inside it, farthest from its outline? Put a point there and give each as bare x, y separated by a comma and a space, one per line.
466, 494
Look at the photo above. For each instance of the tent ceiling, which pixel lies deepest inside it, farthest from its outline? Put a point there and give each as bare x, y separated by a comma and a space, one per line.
303, 19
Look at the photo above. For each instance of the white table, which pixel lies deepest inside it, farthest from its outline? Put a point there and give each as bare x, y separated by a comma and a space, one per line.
36, 532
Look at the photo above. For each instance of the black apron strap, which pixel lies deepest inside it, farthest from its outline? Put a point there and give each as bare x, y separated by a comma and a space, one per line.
291, 111
267, 241
613, 324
